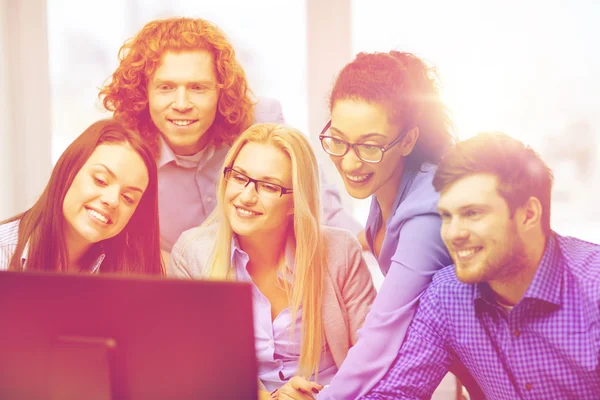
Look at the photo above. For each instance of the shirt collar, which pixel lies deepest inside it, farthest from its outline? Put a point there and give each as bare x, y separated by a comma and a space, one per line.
547, 282
546, 285
24, 255
483, 296
95, 265
167, 155
408, 176
239, 258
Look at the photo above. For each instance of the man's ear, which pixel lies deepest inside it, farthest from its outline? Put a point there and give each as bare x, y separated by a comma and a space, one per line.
531, 214
410, 140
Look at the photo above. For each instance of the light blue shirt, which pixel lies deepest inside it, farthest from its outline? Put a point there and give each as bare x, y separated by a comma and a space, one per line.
277, 351
9, 235
411, 253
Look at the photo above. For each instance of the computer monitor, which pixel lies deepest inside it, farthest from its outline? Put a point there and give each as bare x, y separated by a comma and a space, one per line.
75, 336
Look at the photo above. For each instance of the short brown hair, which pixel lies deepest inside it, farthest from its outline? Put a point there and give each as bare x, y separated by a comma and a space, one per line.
520, 170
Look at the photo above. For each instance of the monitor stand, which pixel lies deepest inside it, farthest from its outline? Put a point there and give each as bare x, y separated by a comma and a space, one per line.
80, 368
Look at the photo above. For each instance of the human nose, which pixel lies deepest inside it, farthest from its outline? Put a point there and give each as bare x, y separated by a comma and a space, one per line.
182, 101
110, 196
249, 193
351, 161
455, 231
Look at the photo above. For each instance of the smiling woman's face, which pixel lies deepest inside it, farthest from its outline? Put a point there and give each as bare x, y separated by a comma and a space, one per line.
248, 212
357, 121
104, 194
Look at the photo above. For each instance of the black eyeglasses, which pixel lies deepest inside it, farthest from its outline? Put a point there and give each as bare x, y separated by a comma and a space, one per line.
265, 189
369, 153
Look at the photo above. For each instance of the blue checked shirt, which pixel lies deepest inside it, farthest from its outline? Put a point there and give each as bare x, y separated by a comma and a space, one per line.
547, 347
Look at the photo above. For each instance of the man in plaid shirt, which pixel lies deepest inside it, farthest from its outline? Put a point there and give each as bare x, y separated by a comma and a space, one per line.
521, 305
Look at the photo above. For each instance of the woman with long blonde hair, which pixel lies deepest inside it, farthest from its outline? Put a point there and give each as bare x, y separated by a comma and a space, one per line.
311, 286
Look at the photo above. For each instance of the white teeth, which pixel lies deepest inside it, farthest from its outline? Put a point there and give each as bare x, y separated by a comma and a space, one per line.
182, 122
357, 178
245, 212
468, 252
98, 216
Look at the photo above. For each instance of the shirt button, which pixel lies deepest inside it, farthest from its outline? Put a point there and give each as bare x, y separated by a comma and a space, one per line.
278, 362
517, 333
271, 342
209, 199
528, 386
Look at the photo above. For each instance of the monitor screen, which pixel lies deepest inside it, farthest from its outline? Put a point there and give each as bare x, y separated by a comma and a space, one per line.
126, 338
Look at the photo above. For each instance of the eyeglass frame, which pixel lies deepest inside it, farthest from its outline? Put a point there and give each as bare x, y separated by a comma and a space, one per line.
353, 145
283, 191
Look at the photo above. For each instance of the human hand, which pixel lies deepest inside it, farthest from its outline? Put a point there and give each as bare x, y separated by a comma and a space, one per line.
297, 388
264, 395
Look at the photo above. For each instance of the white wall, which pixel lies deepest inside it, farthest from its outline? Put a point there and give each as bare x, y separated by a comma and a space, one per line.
528, 68
6, 199
329, 48
24, 104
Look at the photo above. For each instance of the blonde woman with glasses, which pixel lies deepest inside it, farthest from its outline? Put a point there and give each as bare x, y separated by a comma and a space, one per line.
311, 286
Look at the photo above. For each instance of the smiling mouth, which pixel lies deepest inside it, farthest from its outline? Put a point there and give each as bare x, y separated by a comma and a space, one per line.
358, 178
468, 253
98, 216
182, 122
245, 212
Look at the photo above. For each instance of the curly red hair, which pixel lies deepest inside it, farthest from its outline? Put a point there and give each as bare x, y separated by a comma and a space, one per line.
127, 96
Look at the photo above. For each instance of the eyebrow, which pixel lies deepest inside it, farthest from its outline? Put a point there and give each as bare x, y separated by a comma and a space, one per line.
361, 137
264, 178
171, 81
466, 207
111, 173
